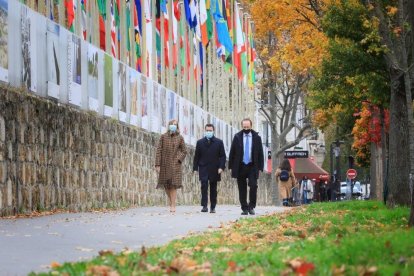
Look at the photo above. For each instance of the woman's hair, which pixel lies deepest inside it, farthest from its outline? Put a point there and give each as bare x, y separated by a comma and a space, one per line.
172, 122
285, 165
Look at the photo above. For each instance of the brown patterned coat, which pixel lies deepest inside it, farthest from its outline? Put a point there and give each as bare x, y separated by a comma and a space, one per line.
285, 187
171, 152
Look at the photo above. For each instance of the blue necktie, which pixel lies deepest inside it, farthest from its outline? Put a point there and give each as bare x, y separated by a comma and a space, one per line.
246, 159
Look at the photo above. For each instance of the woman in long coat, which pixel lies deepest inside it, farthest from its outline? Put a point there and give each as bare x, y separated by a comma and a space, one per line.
285, 187
171, 152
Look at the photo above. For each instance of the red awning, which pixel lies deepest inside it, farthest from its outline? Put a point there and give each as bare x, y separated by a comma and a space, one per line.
307, 167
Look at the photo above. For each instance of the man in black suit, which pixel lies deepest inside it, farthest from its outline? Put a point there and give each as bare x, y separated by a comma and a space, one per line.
245, 161
209, 161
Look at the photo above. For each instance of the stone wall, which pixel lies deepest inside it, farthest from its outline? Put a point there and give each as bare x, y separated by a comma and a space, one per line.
56, 156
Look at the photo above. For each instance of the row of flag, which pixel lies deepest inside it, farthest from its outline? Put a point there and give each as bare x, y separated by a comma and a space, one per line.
181, 27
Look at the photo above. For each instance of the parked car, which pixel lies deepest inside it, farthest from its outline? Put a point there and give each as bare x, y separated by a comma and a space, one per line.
356, 189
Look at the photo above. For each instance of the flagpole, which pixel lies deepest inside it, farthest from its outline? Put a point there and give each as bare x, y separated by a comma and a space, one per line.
171, 84
162, 43
154, 46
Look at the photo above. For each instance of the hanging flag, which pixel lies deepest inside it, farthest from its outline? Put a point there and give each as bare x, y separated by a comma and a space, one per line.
239, 41
209, 20
137, 32
195, 58
128, 25
113, 31
70, 13
148, 34
102, 18
176, 19
222, 30
203, 22
190, 13
83, 19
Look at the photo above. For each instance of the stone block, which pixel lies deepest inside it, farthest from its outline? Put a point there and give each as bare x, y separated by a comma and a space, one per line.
2, 130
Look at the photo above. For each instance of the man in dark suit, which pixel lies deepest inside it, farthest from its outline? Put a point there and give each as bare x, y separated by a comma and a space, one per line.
245, 161
209, 161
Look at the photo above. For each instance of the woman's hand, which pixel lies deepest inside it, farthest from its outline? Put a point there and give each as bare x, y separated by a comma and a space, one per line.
157, 168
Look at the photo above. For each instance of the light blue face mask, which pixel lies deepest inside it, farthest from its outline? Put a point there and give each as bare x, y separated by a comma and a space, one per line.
209, 134
172, 128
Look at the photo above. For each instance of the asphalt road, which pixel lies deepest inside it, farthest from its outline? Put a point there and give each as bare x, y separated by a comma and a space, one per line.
32, 244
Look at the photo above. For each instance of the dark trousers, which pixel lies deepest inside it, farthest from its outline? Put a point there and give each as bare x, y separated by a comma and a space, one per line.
246, 172
204, 193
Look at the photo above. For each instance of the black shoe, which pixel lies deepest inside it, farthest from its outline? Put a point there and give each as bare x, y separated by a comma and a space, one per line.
212, 210
204, 210
251, 212
245, 213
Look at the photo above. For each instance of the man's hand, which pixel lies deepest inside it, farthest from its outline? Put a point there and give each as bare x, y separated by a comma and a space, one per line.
220, 171
157, 168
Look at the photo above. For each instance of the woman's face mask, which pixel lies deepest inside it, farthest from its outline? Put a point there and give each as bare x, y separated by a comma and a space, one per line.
209, 134
172, 128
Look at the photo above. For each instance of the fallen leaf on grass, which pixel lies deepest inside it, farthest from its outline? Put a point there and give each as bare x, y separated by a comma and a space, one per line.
105, 252
207, 250
101, 270
54, 264
224, 250
232, 267
301, 267
367, 271
338, 271
183, 264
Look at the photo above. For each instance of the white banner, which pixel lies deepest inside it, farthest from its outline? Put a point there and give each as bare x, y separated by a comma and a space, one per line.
155, 110
163, 108
74, 70
134, 84
109, 96
53, 59
145, 102
122, 93
93, 76
4, 37
28, 48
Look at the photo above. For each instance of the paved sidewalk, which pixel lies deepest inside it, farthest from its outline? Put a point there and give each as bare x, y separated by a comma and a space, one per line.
32, 244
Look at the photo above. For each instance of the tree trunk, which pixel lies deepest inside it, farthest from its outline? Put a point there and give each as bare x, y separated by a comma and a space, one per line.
376, 172
396, 190
275, 165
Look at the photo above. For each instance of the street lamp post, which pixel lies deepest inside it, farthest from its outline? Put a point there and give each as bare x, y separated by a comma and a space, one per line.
335, 175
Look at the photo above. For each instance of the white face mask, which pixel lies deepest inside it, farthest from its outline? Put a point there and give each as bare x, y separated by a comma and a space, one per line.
172, 128
209, 134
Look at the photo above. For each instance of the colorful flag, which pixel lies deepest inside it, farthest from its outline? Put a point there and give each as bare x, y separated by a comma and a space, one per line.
137, 32
148, 35
70, 12
102, 18
83, 19
113, 31
203, 22
190, 13
222, 30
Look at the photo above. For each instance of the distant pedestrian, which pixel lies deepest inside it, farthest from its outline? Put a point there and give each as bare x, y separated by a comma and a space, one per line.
245, 161
210, 162
286, 180
306, 188
171, 152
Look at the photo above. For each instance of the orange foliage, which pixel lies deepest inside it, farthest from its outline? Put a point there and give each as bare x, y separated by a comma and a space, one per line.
296, 27
367, 130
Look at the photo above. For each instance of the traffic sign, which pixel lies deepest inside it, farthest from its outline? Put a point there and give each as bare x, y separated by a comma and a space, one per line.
351, 173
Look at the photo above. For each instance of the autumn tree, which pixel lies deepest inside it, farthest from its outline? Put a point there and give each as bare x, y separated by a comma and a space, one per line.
395, 21
290, 45
354, 72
